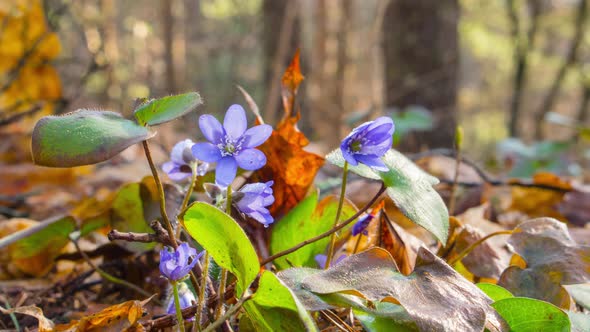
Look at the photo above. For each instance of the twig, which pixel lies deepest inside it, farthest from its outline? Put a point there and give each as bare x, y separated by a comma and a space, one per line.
138, 237
328, 233
17, 116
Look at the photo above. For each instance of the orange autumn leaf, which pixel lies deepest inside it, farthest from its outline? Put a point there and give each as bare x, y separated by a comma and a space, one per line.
290, 167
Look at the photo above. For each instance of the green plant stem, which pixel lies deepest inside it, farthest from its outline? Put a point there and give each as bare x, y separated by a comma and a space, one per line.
191, 187
329, 232
338, 212
202, 291
229, 313
223, 278
469, 249
453, 198
179, 319
161, 194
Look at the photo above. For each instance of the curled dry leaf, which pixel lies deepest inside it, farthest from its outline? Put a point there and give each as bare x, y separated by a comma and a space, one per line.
553, 259
290, 167
435, 296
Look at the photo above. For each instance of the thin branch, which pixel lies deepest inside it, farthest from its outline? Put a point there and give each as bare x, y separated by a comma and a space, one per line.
229, 313
328, 233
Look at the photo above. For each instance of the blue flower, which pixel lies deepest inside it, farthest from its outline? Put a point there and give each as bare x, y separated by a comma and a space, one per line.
252, 200
231, 145
361, 225
181, 159
367, 143
185, 297
174, 265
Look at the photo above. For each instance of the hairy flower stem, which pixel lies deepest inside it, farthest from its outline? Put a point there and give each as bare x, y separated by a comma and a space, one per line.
187, 196
202, 292
161, 194
179, 319
338, 212
469, 249
223, 278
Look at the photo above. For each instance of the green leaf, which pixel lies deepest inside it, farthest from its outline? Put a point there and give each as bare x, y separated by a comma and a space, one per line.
162, 110
83, 137
127, 215
495, 292
48, 240
308, 219
529, 315
413, 118
391, 318
410, 188
225, 241
275, 308
580, 293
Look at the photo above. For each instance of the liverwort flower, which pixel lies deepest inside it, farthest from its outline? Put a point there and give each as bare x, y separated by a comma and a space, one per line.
186, 298
252, 200
181, 162
175, 265
361, 225
231, 145
367, 143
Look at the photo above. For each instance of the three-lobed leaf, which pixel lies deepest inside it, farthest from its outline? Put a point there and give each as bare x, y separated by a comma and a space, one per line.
83, 137
162, 110
410, 188
224, 239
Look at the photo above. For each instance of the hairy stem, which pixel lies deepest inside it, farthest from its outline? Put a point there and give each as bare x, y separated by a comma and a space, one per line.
179, 319
338, 212
202, 291
161, 194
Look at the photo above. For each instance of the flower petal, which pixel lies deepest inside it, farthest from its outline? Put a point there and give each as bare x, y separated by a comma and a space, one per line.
211, 128
227, 167
235, 122
372, 161
344, 148
255, 136
179, 152
206, 152
251, 159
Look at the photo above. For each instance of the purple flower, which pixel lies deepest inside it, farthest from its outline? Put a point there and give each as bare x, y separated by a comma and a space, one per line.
174, 265
367, 143
181, 159
231, 145
252, 200
321, 259
361, 225
185, 297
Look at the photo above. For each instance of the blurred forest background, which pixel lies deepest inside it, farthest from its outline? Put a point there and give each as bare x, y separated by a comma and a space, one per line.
501, 68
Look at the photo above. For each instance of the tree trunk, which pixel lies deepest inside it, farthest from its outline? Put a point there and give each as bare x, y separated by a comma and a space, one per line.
421, 63
167, 36
280, 24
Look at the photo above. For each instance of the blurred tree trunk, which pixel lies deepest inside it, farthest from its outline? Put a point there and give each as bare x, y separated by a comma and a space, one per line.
280, 40
421, 63
523, 45
167, 37
570, 60
111, 50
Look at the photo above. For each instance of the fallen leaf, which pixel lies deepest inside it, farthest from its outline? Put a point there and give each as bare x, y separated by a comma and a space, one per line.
553, 259
537, 202
290, 167
435, 296
45, 325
